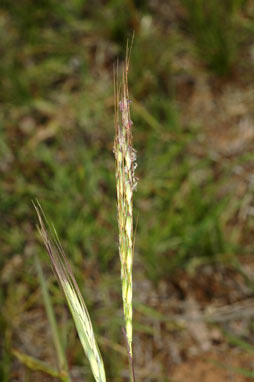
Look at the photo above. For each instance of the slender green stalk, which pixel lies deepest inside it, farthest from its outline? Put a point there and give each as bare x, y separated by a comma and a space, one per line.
73, 296
37, 365
126, 182
62, 361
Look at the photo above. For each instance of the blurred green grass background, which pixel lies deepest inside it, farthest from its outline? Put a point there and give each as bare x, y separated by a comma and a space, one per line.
56, 139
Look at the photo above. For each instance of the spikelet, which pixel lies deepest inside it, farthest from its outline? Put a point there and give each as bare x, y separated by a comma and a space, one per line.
125, 157
73, 296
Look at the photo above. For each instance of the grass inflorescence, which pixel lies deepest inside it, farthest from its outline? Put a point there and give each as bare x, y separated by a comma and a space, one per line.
125, 156
126, 182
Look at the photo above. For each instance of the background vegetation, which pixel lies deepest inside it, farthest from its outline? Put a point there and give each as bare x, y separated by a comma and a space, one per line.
192, 107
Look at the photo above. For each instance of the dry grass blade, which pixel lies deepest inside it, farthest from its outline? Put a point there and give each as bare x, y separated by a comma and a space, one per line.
126, 182
73, 295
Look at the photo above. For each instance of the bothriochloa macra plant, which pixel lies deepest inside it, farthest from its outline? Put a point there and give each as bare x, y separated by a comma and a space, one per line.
125, 157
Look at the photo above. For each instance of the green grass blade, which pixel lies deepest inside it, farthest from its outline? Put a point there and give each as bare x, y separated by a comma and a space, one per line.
62, 361
37, 365
73, 295
236, 370
236, 341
